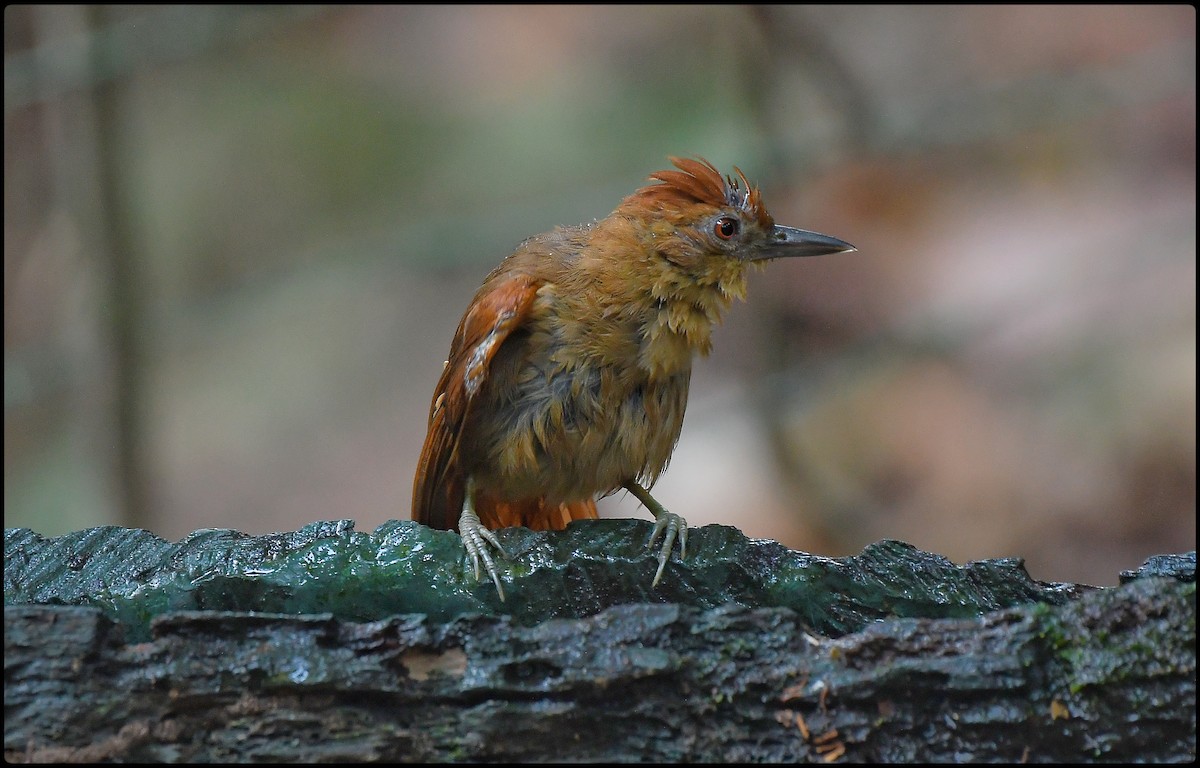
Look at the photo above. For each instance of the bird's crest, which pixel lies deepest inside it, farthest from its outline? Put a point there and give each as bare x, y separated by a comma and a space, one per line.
698, 181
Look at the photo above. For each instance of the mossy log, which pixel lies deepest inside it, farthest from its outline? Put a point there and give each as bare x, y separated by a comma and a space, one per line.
327, 644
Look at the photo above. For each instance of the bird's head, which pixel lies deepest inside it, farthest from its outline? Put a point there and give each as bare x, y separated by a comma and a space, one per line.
695, 214
673, 255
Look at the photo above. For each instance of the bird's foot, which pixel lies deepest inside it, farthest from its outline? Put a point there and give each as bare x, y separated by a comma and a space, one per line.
670, 526
477, 539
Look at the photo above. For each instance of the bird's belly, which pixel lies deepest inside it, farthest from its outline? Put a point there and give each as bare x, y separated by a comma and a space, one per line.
552, 436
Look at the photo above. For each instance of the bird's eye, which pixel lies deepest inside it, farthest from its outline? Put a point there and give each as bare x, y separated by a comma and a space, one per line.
726, 227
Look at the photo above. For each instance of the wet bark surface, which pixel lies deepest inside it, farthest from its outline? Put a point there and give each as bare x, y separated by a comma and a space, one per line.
327, 644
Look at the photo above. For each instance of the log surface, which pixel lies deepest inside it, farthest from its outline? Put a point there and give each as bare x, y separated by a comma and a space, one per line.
122, 666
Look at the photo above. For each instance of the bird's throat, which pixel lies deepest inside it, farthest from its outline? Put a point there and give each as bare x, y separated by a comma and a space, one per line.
673, 292
683, 312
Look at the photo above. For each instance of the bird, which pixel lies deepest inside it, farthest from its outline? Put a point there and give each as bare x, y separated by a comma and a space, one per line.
568, 375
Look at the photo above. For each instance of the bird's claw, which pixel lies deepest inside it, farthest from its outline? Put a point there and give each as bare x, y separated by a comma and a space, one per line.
476, 539
671, 527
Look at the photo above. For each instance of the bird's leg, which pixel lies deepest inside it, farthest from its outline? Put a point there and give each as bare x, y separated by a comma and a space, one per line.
476, 537
666, 524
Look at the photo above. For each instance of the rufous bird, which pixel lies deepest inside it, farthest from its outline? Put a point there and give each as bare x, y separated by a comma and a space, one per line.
568, 374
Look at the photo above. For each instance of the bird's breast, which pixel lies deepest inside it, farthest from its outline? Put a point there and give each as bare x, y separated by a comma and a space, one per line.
568, 427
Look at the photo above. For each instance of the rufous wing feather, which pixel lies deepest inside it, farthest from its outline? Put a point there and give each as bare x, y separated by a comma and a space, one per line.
498, 309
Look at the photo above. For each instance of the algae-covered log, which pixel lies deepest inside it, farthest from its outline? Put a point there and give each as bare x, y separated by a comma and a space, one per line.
403, 567
381, 646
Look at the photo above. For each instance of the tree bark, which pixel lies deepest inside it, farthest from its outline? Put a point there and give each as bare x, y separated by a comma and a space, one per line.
1085, 674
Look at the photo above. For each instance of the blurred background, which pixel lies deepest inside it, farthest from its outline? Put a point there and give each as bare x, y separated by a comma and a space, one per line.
237, 241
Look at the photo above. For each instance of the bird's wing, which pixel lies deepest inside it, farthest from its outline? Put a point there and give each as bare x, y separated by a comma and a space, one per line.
497, 310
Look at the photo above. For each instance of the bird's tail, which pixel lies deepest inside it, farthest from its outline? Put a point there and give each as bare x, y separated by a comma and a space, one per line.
536, 513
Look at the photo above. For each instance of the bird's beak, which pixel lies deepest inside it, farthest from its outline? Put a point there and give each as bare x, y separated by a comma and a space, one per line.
787, 241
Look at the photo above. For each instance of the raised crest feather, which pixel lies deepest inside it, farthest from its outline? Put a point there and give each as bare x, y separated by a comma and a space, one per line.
699, 181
